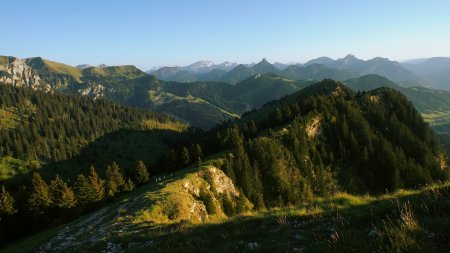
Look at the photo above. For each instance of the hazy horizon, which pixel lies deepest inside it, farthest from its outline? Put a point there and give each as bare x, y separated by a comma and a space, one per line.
170, 33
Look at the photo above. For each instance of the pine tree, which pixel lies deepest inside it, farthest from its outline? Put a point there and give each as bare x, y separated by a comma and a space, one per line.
40, 198
97, 184
141, 174
84, 192
61, 194
252, 129
171, 161
6, 203
197, 154
129, 185
185, 157
114, 180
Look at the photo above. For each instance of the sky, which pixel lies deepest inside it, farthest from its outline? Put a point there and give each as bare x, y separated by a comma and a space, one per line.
148, 33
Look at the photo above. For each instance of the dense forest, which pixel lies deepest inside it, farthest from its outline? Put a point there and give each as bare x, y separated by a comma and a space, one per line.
40, 128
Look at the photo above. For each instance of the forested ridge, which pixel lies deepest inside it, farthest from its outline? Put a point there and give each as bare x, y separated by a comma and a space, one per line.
327, 138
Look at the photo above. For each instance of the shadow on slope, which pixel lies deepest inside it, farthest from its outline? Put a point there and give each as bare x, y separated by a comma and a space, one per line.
125, 147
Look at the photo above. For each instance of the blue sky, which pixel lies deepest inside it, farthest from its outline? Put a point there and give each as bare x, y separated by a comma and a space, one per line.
168, 32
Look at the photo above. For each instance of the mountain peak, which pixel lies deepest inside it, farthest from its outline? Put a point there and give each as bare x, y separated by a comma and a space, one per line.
349, 60
350, 56
264, 61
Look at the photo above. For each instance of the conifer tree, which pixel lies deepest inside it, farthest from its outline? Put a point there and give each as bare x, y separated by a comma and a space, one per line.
141, 174
171, 160
197, 154
84, 192
62, 195
114, 180
252, 129
40, 198
185, 157
6, 203
129, 185
97, 184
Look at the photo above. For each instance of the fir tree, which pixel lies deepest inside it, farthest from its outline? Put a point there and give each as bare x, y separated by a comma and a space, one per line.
62, 195
6, 203
141, 174
114, 180
84, 192
185, 157
40, 198
197, 154
97, 184
129, 185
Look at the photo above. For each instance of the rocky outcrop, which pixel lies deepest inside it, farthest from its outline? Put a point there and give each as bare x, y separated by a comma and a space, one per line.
18, 73
313, 127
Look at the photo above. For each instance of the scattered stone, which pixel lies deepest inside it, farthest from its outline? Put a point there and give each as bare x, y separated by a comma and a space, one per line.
298, 237
298, 249
253, 245
113, 248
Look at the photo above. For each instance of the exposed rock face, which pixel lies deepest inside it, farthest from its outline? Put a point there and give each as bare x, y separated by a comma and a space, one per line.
16, 72
313, 127
43, 75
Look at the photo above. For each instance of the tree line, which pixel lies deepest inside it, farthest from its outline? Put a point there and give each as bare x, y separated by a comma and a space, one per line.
44, 203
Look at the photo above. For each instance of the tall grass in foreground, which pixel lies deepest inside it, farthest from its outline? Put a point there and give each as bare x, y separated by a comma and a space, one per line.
416, 223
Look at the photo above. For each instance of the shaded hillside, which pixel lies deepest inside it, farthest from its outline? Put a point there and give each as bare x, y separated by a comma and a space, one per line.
41, 128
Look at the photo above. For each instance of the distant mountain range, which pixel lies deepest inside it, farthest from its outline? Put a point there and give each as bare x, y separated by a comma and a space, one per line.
432, 73
435, 71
